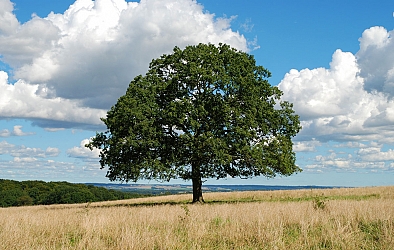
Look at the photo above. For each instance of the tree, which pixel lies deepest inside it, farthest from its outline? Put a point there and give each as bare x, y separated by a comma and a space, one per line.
203, 112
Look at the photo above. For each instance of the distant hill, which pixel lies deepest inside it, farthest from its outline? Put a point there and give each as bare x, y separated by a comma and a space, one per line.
155, 189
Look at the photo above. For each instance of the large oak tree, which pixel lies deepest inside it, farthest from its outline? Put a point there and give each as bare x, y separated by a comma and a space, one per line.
202, 112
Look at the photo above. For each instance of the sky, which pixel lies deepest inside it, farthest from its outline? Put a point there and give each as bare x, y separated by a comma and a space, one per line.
63, 64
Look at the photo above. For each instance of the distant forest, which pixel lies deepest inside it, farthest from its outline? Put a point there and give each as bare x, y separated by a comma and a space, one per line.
26, 193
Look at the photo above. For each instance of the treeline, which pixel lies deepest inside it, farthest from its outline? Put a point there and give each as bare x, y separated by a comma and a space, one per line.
25, 193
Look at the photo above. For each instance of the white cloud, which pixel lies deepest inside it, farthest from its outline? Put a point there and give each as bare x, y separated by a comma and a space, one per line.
5, 133
8, 21
375, 59
53, 129
52, 152
23, 152
306, 146
375, 154
83, 152
5, 147
18, 131
351, 144
22, 101
24, 159
74, 65
332, 161
369, 151
346, 157
27, 152
333, 104
323, 92
348, 108
50, 170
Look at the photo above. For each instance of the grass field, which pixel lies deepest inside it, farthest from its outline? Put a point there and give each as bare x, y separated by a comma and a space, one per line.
351, 218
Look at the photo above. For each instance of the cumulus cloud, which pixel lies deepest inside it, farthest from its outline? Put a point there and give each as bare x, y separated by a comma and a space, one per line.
5, 147
335, 161
334, 105
348, 106
375, 59
5, 133
24, 159
8, 21
375, 154
323, 92
21, 100
83, 152
73, 65
52, 152
306, 146
22, 152
18, 131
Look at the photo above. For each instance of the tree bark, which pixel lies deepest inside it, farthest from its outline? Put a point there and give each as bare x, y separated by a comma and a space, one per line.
197, 183
197, 190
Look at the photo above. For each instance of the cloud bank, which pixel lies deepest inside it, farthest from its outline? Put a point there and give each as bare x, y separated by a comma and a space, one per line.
73, 66
352, 102
339, 103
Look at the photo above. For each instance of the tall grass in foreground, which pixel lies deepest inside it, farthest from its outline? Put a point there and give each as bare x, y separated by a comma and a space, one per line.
361, 218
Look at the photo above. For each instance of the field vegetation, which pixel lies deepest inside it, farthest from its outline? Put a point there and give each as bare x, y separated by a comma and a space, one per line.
347, 218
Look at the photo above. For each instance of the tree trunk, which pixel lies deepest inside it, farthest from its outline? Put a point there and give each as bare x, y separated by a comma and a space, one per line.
197, 190
197, 183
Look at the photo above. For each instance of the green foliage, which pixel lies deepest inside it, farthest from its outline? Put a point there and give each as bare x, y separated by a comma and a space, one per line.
203, 112
319, 203
25, 193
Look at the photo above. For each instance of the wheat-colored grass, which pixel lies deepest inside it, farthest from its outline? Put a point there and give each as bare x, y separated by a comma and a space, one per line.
359, 218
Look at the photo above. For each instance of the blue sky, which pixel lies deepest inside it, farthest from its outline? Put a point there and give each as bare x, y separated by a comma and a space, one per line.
64, 63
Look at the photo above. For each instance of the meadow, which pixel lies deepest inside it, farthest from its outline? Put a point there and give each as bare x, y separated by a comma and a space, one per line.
345, 218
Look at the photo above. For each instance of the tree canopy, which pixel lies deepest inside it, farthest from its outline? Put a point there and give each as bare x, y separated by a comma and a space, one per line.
205, 111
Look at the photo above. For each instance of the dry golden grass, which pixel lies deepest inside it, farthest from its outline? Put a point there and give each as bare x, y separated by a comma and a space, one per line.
360, 218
